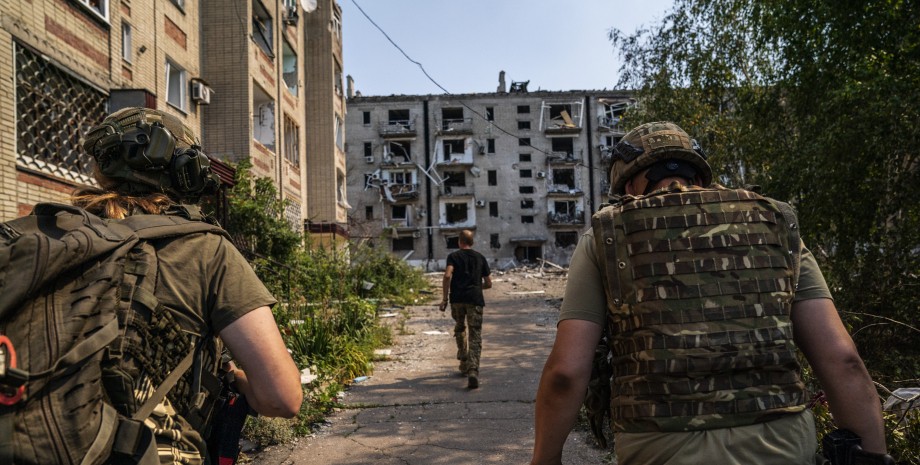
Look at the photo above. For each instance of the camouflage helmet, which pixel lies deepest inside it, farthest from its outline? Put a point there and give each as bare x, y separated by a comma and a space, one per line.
141, 150
649, 144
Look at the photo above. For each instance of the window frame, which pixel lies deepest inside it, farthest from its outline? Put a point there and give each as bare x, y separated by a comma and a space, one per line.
105, 7
182, 88
127, 43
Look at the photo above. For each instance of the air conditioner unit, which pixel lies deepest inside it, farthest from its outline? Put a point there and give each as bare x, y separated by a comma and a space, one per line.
541, 174
369, 159
201, 93
480, 203
416, 234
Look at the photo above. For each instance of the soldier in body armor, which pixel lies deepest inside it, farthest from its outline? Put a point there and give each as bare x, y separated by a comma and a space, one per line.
707, 293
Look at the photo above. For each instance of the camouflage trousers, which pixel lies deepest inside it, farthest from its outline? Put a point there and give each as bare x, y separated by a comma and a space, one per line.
468, 334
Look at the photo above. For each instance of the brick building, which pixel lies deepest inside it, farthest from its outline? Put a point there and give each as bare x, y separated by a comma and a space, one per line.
234, 71
524, 170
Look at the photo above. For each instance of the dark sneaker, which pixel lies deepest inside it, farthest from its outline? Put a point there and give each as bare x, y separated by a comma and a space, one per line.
473, 382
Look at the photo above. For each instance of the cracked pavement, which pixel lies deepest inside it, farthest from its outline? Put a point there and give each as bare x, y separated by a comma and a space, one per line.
415, 408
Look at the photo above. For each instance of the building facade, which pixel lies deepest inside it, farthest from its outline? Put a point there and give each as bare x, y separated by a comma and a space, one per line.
524, 170
235, 72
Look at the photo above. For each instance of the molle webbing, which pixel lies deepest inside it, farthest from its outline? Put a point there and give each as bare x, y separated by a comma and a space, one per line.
700, 285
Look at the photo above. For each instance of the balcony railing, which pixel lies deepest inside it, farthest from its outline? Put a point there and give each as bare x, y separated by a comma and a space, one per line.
565, 158
399, 192
556, 219
397, 128
457, 191
563, 190
455, 126
610, 124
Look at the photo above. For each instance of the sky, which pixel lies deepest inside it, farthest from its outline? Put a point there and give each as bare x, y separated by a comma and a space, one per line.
464, 44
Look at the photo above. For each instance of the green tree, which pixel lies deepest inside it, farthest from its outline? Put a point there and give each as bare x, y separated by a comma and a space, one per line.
817, 101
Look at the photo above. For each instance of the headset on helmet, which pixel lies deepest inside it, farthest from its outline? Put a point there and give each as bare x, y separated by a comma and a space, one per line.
145, 150
651, 143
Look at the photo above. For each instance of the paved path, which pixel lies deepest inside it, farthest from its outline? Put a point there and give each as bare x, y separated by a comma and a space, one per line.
416, 410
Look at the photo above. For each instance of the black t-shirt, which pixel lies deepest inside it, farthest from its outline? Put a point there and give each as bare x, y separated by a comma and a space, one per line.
466, 283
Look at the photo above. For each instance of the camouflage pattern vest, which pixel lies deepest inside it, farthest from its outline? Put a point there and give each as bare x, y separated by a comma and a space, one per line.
699, 286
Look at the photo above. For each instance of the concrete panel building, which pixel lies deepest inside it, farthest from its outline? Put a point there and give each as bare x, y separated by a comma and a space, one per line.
524, 170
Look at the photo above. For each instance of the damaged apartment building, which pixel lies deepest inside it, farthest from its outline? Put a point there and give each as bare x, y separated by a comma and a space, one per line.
523, 170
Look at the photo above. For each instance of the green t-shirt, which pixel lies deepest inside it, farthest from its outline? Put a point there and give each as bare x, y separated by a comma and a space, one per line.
584, 292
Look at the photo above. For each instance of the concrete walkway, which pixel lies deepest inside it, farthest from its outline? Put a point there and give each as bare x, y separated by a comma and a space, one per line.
416, 410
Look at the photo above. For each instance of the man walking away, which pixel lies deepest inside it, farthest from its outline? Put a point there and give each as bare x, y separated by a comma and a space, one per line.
467, 274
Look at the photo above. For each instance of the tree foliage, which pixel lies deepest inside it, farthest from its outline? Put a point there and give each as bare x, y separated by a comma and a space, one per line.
818, 102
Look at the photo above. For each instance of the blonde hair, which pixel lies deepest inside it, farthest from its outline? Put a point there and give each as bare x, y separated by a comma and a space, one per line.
109, 204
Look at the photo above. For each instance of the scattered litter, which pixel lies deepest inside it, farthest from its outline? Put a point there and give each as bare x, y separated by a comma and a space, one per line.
296, 322
306, 377
527, 292
387, 315
367, 285
433, 333
383, 351
247, 446
361, 379
903, 400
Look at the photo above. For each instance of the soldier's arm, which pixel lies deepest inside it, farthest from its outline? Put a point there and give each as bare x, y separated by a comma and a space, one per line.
487, 282
562, 388
445, 285
271, 381
830, 351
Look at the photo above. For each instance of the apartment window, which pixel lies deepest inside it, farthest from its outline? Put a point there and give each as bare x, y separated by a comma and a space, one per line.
451, 118
526, 173
453, 147
566, 238
263, 117
99, 7
291, 141
456, 212
400, 149
490, 145
490, 114
368, 149
526, 189
494, 242
493, 209
179, 3
452, 242
524, 157
527, 219
523, 109
524, 141
403, 244
564, 177
52, 145
369, 212
126, 42
341, 189
524, 125
493, 177
262, 28
564, 145
398, 212
176, 85
289, 67
366, 118
338, 79
339, 133
527, 204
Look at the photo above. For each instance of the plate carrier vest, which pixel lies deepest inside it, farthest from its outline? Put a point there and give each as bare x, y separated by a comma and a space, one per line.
699, 286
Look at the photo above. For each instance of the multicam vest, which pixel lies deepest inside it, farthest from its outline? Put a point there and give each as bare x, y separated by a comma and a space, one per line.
700, 284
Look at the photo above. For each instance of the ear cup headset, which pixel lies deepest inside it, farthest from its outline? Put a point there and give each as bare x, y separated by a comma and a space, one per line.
134, 146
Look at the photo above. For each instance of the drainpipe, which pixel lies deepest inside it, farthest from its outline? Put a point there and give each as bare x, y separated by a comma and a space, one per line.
590, 156
428, 221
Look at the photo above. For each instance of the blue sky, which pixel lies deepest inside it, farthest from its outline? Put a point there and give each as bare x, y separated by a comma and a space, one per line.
463, 44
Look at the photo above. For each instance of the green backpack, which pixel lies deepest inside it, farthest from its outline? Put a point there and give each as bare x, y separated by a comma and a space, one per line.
72, 286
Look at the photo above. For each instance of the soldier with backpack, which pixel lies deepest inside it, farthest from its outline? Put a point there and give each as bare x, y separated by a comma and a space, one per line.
707, 294
115, 311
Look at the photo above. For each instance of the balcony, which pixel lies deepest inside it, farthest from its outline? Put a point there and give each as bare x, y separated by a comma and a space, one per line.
565, 158
457, 191
565, 219
397, 129
612, 124
458, 126
397, 193
563, 190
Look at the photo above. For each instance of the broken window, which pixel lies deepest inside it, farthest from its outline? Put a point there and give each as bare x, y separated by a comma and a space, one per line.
400, 149
263, 117
490, 114
526, 173
338, 79
291, 141
401, 177
493, 177
490, 144
366, 118
453, 147
400, 117
493, 209
456, 212
566, 238
262, 28
564, 207
341, 186
452, 242
525, 189
564, 146
494, 242
564, 176
289, 67
523, 109
524, 157
339, 133
402, 244
454, 180
527, 204
523, 125
527, 219
369, 212
451, 117
398, 212
524, 141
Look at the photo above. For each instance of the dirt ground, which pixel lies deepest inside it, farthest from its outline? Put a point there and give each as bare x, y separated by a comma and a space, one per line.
415, 408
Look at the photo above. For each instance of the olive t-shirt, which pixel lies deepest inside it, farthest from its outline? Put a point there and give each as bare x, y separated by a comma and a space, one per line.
585, 298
